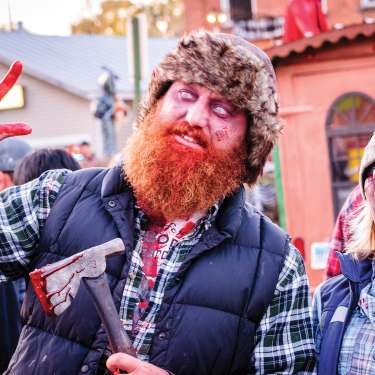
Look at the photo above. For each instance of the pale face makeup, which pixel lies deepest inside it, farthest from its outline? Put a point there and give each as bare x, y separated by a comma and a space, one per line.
223, 124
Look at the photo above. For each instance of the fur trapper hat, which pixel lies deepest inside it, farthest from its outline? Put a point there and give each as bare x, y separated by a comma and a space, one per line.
368, 159
234, 68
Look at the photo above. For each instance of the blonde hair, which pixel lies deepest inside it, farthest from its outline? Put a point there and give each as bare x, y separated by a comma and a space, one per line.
362, 233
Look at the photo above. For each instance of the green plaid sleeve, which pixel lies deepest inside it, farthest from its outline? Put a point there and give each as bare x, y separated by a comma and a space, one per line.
23, 212
284, 339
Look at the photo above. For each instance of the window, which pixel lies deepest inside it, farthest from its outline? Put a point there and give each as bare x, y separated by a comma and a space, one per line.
367, 4
240, 10
350, 124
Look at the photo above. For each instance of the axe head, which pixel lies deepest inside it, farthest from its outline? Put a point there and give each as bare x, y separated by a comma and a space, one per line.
57, 284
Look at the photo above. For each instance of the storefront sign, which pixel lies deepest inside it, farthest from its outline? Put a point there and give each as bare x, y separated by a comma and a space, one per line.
13, 99
319, 255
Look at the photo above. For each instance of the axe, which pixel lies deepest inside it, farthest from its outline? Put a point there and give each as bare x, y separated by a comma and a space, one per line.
57, 284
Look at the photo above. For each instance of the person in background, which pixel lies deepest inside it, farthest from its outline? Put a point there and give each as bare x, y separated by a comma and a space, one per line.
104, 110
34, 164
344, 306
12, 150
341, 231
89, 158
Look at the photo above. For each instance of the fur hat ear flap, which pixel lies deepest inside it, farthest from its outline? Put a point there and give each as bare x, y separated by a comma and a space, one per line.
234, 68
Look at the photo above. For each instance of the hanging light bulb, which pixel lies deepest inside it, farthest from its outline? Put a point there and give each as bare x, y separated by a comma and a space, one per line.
122, 13
177, 11
222, 18
211, 17
162, 25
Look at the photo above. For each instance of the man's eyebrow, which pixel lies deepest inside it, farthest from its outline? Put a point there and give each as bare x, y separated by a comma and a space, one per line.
221, 99
191, 86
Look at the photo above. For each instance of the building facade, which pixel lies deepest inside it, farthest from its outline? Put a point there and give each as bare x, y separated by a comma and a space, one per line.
326, 85
327, 105
262, 20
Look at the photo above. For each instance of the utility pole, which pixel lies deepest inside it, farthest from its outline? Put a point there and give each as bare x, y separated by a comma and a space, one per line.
10, 17
137, 53
279, 187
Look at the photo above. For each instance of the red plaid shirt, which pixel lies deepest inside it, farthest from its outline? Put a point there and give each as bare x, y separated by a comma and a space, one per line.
341, 233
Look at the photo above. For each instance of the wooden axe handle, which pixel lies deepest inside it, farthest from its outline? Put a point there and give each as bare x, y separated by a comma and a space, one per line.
118, 339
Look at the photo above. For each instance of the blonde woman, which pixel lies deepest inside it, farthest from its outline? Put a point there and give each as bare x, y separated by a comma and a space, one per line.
344, 306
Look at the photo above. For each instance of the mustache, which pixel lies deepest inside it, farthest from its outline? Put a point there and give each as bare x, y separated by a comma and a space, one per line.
184, 128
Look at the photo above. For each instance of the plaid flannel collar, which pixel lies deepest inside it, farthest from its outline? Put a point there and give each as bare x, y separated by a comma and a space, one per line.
203, 223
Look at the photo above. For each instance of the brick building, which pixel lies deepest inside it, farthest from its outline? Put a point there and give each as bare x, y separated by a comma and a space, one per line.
327, 105
262, 20
326, 85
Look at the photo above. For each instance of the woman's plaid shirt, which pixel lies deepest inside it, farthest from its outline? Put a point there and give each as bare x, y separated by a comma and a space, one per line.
284, 338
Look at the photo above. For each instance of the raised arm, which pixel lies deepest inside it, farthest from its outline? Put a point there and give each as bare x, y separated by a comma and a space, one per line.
12, 129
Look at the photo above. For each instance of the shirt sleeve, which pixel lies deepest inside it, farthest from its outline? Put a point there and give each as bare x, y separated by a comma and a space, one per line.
284, 338
317, 315
23, 213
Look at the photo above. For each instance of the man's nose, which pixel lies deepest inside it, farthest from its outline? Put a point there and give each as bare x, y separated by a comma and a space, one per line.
197, 114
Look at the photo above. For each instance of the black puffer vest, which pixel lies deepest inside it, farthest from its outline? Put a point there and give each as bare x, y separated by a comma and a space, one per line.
210, 312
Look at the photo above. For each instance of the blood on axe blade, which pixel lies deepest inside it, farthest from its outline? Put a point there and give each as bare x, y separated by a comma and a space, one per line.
57, 284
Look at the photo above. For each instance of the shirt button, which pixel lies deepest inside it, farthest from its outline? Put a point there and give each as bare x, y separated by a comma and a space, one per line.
162, 335
112, 204
84, 368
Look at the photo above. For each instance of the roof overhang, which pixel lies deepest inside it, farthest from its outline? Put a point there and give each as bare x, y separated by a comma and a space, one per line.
316, 42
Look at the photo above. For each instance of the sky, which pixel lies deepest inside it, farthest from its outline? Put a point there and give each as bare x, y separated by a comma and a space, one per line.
49, 17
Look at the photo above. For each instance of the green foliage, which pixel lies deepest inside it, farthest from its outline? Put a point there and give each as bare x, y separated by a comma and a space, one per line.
164, 17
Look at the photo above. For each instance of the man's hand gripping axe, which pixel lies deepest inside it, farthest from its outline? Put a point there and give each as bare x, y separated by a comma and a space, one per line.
57, 284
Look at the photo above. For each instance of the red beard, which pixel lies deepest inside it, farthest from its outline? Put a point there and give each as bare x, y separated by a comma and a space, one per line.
173, 181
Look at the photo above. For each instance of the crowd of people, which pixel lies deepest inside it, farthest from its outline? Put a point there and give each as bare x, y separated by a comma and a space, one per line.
207, 283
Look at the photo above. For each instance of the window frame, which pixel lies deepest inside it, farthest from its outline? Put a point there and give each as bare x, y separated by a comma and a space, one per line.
350, 130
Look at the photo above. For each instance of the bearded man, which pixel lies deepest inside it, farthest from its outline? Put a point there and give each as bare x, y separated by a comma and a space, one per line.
207, 285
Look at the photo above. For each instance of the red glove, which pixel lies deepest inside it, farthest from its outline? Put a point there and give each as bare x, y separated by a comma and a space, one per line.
11, 130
